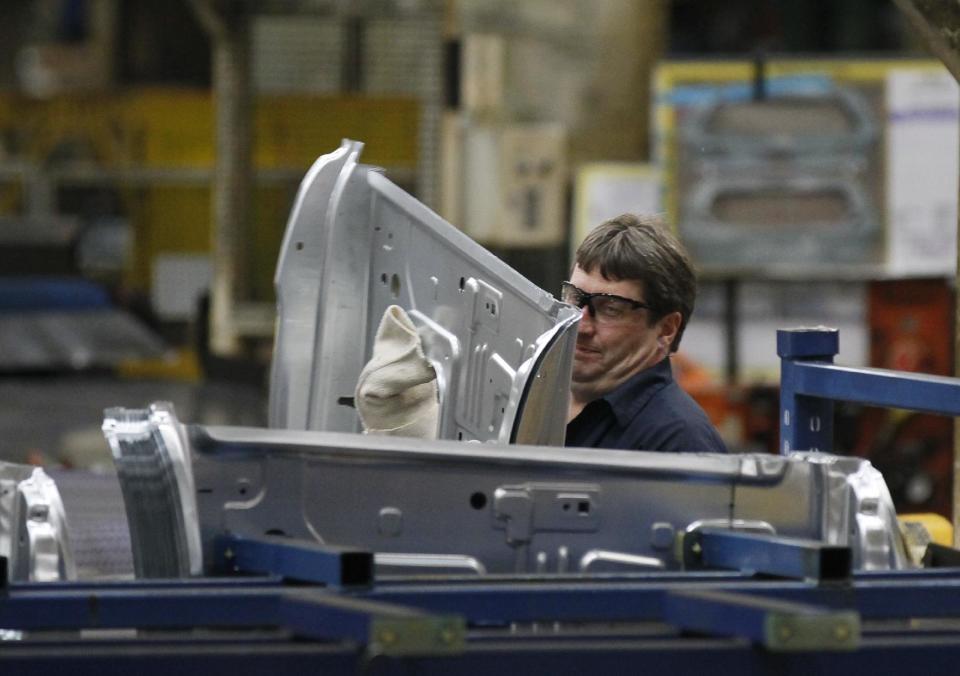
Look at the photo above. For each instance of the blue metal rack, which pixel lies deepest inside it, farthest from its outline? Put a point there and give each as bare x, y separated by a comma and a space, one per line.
810, 382
284, 606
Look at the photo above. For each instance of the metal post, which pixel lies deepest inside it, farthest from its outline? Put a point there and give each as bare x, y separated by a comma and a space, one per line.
806, 423
228, 24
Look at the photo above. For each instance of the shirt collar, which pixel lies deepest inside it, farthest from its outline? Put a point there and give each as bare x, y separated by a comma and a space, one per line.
627, 399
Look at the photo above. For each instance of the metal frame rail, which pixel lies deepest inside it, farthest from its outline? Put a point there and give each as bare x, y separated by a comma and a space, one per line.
893, 622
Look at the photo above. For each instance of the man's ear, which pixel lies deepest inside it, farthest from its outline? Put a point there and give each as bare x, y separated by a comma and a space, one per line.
668, 325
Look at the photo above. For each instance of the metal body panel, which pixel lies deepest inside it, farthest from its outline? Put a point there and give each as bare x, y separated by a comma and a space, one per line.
356, 244
158, 490
509, 508
34, 537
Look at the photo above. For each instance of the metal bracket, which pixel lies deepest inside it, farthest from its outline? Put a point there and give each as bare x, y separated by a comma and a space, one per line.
776, 625
766, 554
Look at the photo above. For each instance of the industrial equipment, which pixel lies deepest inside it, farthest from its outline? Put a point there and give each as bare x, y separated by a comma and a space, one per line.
323, 550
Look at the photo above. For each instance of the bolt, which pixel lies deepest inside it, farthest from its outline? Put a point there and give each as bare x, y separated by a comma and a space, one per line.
785, 633
228, 554
388, 637
696, 548
448, 635
841, 632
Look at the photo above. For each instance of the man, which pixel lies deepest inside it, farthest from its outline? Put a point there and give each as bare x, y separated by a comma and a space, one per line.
636, 287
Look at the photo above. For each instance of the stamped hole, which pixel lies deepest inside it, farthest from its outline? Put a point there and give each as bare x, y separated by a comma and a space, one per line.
395, 285
299, 246
478, 500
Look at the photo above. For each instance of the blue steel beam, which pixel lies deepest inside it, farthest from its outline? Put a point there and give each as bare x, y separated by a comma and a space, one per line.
677, 656
914, 594
307, 612
294, 559
877, 387
772, 623
772, 555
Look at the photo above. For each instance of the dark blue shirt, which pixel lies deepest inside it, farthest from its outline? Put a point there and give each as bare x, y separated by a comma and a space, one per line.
649, 412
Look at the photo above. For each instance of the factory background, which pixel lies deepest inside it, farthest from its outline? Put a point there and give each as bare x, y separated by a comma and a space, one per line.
806, 153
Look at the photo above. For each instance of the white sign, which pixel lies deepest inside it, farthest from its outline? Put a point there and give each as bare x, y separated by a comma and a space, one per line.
923, 114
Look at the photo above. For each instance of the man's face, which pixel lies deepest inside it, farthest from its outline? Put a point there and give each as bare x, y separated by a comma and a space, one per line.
609, 353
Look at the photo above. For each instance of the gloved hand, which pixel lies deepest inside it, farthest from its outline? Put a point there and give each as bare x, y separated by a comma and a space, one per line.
397, 389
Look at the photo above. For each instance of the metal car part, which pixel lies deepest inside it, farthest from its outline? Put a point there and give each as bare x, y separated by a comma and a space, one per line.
355, 244
509, 508
781, 179
743, 220
34, 537
838, 122
158, 489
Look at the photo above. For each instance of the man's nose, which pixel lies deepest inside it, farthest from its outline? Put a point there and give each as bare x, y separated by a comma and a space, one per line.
587, 322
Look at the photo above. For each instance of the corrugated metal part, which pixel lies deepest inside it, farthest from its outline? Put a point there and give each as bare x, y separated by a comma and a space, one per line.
99, 534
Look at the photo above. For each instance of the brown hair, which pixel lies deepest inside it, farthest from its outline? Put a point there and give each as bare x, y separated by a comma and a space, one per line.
643, 249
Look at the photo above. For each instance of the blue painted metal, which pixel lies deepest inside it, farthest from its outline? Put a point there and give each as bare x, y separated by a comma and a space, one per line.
806, 423
773, 623
810, 383
767, 554
818, 343
658, 610
931, 594
310, 612
294, 559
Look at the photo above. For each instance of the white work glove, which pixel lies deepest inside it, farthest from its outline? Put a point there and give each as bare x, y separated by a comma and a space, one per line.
397, 389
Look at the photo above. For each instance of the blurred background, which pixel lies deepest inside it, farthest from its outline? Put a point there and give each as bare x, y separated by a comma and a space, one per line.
804, 150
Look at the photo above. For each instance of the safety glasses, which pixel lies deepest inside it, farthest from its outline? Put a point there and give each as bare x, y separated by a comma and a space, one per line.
605, 308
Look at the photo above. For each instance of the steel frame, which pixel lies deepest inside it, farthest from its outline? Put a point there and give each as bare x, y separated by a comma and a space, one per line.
810, 382
903, 622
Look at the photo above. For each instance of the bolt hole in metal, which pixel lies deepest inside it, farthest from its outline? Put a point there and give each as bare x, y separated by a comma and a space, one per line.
478, 500
463, 282
299, 246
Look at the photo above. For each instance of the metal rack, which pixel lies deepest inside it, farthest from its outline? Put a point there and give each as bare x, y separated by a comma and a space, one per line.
750, 603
